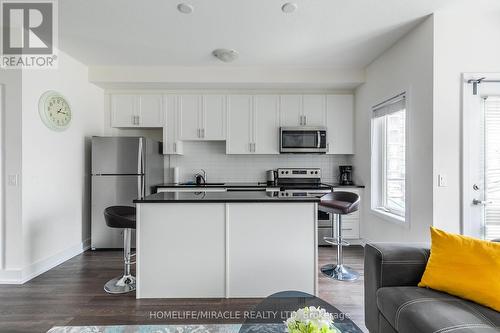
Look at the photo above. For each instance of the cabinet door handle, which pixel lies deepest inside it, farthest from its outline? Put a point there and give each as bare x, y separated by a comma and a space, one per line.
254, 147
301, 122
250, 147
203, 133
138, 120
305, 120
175, 147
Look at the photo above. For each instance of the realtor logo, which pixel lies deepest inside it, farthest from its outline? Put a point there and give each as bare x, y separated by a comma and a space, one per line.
28, 34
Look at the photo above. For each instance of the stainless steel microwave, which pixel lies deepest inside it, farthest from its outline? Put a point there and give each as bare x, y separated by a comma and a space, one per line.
303, 140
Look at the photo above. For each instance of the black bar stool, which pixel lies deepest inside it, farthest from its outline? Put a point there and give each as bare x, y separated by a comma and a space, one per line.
339, 203
122, 217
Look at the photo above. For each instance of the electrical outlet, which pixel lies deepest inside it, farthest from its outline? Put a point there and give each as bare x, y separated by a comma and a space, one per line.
442, 181
12, 180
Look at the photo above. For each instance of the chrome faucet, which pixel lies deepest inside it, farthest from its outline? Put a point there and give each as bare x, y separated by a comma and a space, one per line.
201, 178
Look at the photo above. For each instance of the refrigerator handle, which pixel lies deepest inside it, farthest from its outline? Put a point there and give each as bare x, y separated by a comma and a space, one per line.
140, 158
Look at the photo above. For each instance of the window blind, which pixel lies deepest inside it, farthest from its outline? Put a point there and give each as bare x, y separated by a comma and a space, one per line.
394, 104
492, 167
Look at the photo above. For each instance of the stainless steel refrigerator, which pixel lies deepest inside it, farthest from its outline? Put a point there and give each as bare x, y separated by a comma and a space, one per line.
123, 169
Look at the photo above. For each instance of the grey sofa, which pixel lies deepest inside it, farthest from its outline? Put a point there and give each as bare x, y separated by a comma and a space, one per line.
394, 303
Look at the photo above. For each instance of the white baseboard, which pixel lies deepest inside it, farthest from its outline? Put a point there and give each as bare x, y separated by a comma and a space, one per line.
41, 266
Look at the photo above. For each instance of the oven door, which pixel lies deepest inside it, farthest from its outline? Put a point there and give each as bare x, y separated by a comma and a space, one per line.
303, 140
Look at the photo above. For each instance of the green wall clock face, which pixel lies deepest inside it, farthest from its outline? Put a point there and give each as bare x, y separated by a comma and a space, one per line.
55, 111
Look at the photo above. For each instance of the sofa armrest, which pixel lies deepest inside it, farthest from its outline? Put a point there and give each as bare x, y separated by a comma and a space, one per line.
388, 265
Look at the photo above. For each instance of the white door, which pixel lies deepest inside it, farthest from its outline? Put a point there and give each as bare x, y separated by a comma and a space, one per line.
340, 124
291, 110
314, 110
481, 159
266, 124
151, 113
214, 117
189, 117
124, 111
239, 126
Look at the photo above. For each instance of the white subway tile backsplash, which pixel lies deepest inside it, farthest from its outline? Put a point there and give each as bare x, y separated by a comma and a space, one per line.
211, 156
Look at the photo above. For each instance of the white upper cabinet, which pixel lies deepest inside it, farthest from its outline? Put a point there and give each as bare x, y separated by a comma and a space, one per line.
123, 111
137, 111
171, 143
314, 110
202, 117
151, 112
266, 124
239, 124
253, 124
214, 117
340, 124
189, 117
302, 110
291, 110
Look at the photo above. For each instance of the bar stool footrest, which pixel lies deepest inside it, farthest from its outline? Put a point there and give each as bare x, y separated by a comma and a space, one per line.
333, 241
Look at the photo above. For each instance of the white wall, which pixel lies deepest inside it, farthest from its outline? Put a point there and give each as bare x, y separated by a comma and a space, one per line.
408, 65
56, 165
466, 40
211, 156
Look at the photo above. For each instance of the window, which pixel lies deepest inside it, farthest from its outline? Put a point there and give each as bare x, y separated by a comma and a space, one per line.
389, 158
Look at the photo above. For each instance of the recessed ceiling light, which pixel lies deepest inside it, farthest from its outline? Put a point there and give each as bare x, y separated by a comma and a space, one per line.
289, 7
225, 55
185, 8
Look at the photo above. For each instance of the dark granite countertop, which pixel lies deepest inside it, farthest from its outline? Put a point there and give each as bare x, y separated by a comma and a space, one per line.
258, 185
345, 186
232, 196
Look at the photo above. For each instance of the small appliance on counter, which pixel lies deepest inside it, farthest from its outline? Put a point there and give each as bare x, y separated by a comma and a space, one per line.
345, 177
271, 176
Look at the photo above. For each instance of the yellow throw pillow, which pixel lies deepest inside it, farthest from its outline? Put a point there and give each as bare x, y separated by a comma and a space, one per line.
465, 267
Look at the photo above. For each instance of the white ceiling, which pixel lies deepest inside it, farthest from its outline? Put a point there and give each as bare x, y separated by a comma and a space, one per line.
321, 33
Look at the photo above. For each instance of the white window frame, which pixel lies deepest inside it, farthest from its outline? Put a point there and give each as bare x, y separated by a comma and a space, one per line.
377, 171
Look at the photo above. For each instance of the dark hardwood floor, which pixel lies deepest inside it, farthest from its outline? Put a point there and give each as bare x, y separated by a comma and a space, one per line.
72, 295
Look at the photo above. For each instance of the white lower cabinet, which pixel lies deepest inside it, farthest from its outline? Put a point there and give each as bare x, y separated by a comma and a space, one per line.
250, 249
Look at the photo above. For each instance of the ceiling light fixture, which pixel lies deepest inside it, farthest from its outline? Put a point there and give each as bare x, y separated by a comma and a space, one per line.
289, 7
185, 8
225, 55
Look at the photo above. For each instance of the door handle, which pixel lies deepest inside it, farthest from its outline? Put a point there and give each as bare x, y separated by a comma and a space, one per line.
203, 133
305, 120
319, 139
481, 202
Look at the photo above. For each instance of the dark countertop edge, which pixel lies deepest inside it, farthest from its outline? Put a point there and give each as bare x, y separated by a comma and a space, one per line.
303, 200
250, 185
345, 186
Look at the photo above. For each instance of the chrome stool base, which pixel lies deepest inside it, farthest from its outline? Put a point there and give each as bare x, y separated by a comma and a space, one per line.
340, 272
120, 285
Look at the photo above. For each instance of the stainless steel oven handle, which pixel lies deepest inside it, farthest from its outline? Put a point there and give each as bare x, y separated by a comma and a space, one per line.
319, 139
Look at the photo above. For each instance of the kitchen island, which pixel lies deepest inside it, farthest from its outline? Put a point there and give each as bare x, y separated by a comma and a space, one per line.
225, 244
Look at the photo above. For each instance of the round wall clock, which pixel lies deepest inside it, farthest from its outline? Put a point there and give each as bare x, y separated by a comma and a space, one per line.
54, 110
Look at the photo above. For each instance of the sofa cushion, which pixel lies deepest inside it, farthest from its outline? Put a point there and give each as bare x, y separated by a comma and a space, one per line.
414, 309
454, 257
